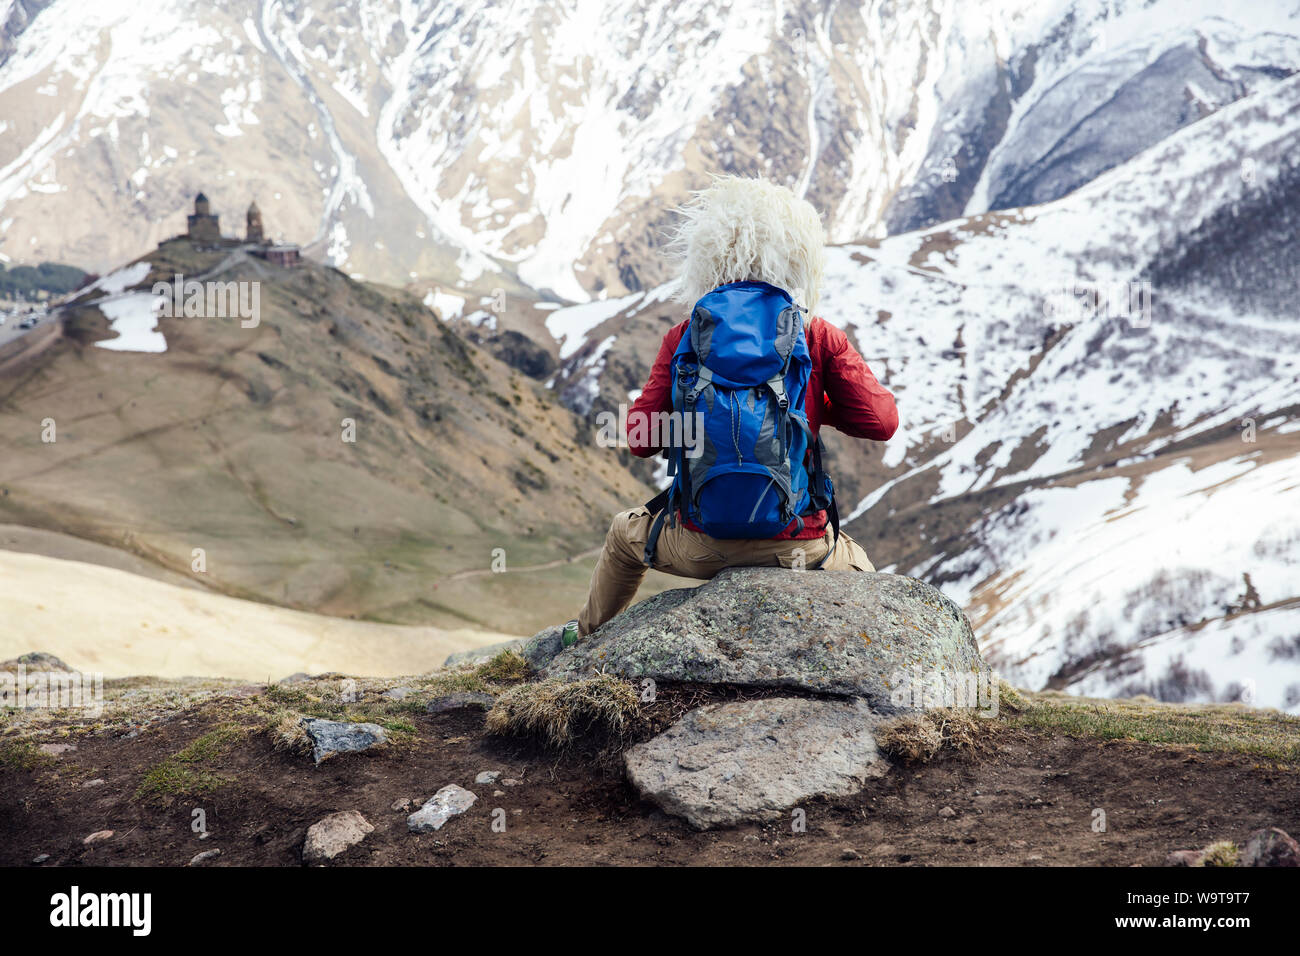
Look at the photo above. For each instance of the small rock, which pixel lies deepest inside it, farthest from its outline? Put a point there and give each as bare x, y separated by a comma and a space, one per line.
1270, 847
330, 737
543, 646
40, 859
97, 782
462, 700
403, 804
331, 835
510, 782
448, 802
498, 793
1184, 858
37, 662
849, 853
55, 749
947, 813
398, 693
200, 858
97, 836
488, 776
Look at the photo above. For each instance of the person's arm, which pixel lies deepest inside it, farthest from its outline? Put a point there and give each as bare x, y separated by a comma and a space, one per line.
856, 403
657, 396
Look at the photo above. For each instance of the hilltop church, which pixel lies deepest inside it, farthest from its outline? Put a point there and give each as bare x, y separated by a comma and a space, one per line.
203, 227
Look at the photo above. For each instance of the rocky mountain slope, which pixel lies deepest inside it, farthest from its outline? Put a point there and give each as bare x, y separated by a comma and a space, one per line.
542, 144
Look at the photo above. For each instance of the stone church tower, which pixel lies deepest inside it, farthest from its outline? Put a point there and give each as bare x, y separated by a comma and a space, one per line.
254, 233
203, 226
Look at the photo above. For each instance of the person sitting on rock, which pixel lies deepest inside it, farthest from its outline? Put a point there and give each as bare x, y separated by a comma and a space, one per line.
757, 382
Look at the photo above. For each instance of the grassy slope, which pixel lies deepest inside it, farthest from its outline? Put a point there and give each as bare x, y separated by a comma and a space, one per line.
231, 442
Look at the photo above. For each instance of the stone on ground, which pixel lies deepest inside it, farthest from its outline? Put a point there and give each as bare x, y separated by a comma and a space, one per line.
839, 632
330, 737
1270, 847
36, 662
332, 835
448, 802
461, 700
724, 764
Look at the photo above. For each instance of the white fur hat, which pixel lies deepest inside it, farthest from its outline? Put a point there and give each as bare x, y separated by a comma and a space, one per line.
749, 229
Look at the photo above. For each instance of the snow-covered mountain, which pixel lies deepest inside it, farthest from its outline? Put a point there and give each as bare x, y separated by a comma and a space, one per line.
547, 140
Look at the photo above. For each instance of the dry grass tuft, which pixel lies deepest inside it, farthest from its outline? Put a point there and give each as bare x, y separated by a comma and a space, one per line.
1223, 853
508, 667
919, 738
558, 712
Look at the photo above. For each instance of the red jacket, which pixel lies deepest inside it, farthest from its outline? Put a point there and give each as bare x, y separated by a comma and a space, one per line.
842, 393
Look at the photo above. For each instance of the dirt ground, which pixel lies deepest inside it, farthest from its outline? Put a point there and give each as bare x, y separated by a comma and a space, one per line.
1027, 799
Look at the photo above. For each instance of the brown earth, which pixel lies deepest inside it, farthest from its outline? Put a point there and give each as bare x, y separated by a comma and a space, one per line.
1025, 798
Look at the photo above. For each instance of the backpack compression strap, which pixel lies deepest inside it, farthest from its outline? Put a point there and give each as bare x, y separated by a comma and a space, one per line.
661, 507
832, 511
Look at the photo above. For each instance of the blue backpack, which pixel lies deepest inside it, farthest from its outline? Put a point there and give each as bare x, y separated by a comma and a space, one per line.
739, 436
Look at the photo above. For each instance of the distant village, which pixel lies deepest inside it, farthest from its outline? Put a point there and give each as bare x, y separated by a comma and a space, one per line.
203, 228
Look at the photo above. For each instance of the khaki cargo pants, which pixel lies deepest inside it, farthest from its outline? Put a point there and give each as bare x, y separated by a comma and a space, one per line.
692, 554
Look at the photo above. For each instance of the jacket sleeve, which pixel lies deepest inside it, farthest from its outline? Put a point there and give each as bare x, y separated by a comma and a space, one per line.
657, 396
856, 403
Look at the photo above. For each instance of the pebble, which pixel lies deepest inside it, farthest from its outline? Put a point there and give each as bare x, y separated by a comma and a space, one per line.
947, 813
488, 776
97, 836
200, 858
448, 802
331, 835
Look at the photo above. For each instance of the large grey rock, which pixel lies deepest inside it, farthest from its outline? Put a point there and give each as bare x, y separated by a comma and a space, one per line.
477, 655
448, 802
841, 632
331, 835
724, 764
330, 737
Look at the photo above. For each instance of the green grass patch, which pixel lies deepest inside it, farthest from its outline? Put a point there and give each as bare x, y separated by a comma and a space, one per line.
23, 755
187, 772
1215, 728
